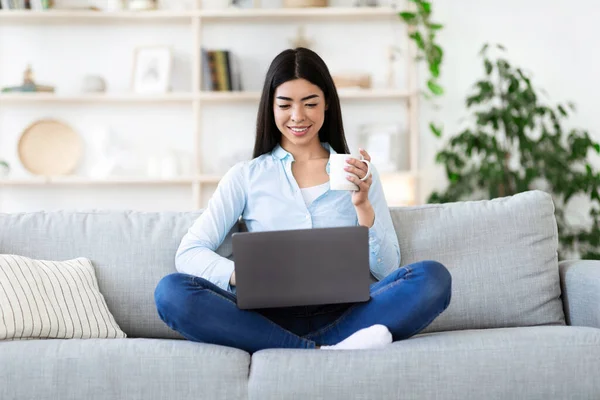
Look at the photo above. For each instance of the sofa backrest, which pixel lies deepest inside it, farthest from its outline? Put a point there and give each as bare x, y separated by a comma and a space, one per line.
130, 251
502, 255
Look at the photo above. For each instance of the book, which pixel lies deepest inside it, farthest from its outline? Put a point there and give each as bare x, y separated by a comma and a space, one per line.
222, 77
207, 81
212, 65
220, 70
228, 60
236, 74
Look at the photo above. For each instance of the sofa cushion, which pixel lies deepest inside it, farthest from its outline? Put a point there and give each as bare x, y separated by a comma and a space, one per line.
548, 362
502, 255
131, 252
144, 369
50, 299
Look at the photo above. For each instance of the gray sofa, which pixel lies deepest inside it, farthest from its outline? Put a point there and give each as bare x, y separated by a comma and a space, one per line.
520, 324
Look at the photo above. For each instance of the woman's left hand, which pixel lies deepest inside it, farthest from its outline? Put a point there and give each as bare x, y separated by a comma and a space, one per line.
360, 197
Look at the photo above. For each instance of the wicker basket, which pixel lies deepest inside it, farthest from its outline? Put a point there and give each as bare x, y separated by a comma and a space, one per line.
304, 3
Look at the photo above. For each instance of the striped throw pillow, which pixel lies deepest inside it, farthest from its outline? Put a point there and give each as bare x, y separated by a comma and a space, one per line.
52, 299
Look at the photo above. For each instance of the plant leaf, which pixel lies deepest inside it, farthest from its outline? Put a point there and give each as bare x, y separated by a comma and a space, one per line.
435, 70
500, 47
484, 49
437, 53
488, 66
437, 131
562, 110
408, 17
435, 88
418, 39
425, 6
597, 147
435, 27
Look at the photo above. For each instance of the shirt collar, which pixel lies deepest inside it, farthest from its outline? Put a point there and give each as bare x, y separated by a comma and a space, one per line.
280, 153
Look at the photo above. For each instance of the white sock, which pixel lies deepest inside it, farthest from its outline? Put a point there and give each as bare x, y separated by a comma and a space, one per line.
373, 337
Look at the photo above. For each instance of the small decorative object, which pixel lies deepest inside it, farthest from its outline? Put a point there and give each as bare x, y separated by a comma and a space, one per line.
176, 5
244, 4
114, 5
217, 4
4, 169
358, 81
304, 3
49, 147
152, 69
301, 40
387, 147
93, 84
168, 164
141, 5
29, 84
101, 149
366, 3
392, 56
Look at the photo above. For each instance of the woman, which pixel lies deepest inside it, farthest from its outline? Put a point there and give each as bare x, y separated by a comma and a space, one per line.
285, 186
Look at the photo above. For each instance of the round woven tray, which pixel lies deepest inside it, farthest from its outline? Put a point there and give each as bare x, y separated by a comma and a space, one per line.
49, 147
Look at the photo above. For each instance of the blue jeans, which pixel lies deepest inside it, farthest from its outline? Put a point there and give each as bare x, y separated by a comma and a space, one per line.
405, 301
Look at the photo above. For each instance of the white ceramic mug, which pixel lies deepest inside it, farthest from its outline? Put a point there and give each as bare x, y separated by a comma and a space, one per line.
337, 174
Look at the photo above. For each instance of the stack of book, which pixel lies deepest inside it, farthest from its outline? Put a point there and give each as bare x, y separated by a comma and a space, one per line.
220, 71
25, 4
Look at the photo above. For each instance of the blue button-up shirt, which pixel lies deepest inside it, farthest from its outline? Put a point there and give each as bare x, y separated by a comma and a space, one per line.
264, 192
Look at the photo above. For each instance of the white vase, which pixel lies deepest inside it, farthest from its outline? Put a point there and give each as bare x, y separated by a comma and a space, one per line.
140, 5
215, 4
114, 5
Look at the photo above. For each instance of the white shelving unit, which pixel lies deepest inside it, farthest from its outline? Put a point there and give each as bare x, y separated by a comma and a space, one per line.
197, 98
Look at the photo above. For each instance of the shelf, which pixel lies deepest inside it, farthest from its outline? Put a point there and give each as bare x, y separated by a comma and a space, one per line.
220, 15
374, 94
344, 94
216, 97
95, 98
82, 181
337, 13
208, 97
84, 16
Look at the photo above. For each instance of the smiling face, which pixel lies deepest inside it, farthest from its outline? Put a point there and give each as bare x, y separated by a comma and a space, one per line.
299, 111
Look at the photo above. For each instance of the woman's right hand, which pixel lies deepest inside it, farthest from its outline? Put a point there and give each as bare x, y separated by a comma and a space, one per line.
232, 279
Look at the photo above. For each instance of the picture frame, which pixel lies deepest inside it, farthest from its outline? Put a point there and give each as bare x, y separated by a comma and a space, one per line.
152, 68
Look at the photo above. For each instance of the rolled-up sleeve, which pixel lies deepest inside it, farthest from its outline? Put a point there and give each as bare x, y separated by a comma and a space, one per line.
384, 250
196, 253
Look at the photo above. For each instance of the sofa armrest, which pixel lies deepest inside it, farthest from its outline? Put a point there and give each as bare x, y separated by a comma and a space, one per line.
580, 285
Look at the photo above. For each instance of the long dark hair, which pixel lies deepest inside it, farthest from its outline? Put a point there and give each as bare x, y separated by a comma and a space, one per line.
299, 63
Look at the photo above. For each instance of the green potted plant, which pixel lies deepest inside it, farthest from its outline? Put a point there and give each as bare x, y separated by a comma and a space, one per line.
515, 141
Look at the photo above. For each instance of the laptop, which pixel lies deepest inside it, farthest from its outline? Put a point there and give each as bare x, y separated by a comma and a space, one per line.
301, 267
